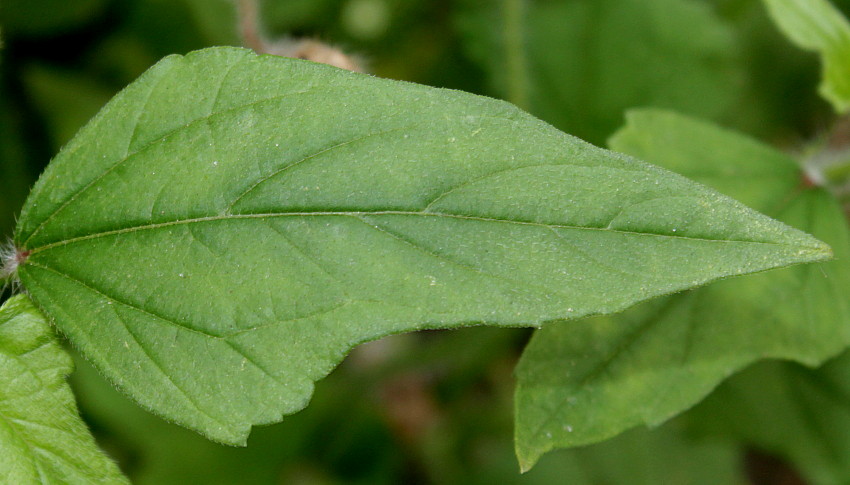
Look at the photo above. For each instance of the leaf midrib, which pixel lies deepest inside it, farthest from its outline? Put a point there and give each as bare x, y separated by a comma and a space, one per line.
164, 136
360, 214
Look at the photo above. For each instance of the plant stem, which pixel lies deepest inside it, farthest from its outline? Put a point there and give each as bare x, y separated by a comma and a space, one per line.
249, 25
513, 12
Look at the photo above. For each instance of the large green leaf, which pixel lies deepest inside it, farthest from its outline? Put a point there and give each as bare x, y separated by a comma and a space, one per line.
229, 226
42, 438
802, 415
582, 63
818, 26
592, 380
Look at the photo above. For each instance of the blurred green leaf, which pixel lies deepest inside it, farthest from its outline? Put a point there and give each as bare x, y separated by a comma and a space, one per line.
46, 17
42, 439
118, 60
638, 457
234, 243
588, 381
14, 177
773, 74
340, 440
818, 26
65, 99
317, 443
641, 457
588, 61
280, 18
216, 20
177, 26
337, 439
800, 414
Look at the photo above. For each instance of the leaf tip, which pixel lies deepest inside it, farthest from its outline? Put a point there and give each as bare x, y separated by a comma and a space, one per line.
527, 459
820, 252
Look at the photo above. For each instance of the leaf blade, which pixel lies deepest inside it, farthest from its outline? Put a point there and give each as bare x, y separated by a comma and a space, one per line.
42, 436
658, 359
816, 25
255, 217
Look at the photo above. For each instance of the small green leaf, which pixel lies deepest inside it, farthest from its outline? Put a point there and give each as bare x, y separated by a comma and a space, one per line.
607, 374
799, 414
230, 225
42, 438
582, 63
818, 26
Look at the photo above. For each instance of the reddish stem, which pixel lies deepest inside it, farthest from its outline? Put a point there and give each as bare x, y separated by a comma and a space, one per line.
22, 256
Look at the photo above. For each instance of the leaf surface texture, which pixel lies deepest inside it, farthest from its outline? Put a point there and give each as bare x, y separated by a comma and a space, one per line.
230, 225
42, 438
589, 381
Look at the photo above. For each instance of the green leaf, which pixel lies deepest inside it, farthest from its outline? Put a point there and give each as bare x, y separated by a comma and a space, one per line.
42, 438
582, 63
229, 226
590, 381
802, 415
818, 26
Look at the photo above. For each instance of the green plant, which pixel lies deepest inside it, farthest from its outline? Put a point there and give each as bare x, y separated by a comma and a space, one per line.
229, 226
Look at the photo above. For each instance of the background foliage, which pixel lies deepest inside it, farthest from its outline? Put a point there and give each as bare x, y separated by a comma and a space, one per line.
435, 407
